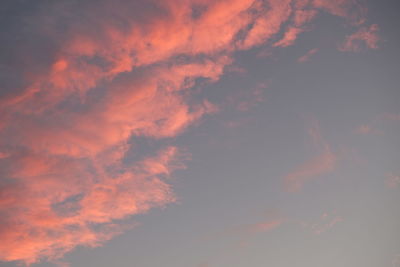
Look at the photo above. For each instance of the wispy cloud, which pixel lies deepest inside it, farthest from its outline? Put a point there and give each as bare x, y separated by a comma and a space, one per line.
308, 55
324, 223
396, 261
353, 11
364, 38
374, 126
244, 100
392, 181
321, 164
263, 226
303, 14
368, 129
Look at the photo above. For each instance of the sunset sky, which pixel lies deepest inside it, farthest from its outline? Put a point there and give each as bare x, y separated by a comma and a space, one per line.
199, 133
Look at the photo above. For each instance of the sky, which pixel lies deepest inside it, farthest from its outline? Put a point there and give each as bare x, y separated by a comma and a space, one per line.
199, 133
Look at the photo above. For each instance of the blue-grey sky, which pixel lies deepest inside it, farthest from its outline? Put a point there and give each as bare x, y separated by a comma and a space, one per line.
199, 133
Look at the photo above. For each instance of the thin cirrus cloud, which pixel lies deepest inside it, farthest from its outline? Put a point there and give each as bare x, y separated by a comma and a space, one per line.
263, 226
365, 37
392, 181
245, 100
323, 163
396, 261
368, 129
326, 222
307, 56
375, 125
86, 78
246, 232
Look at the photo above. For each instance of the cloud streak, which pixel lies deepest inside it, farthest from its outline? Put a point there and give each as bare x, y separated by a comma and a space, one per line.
321, 164
307, 56
392, 181
375, 125
364, 37
324, 223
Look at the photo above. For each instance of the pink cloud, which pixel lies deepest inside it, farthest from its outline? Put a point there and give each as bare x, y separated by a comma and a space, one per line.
49, 217
324, 223
321, 164
268, 23
308, 55
396, 261
246, 232
391, 117
352, 10
289, 37
245, 100
303, 14
368, 36
317, 166
392, 181
263, 226
368, 129
374, 125
106, 80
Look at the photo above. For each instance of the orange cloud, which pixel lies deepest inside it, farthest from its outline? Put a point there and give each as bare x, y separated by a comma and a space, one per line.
368, 36
120, 70
317, 166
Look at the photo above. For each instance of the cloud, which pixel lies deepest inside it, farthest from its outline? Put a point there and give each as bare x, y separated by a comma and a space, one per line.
321, 164
289, 37
244, 100
364, 37
324, 223
248, 231
264, 226
270, 220
390, 117
392, 181
308, 55
367, 129
396, 261
352, 10
303, 14
50, 216
84, 80
374, 125
268, 23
